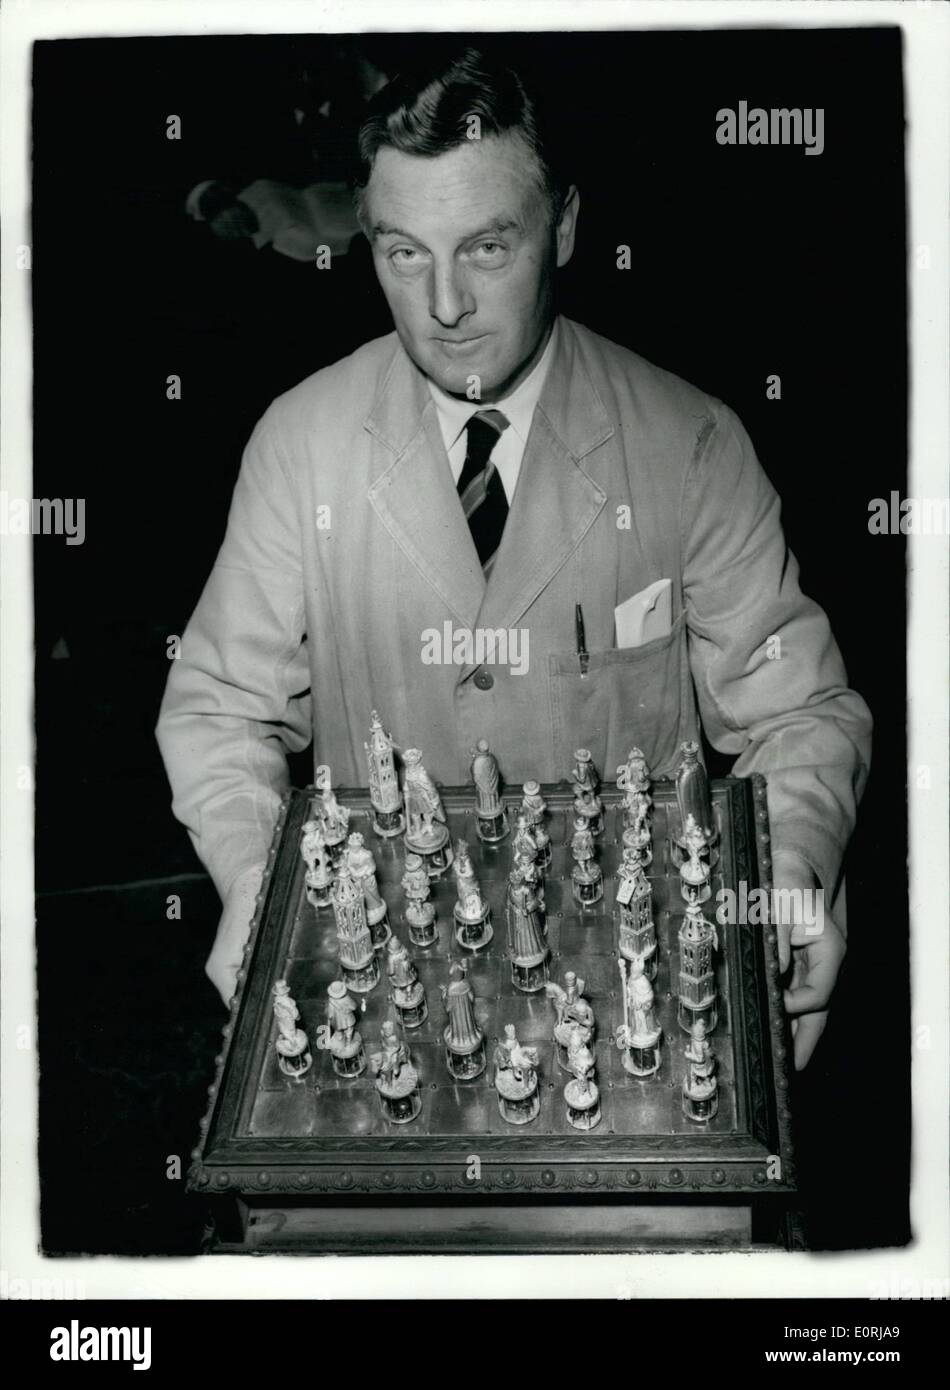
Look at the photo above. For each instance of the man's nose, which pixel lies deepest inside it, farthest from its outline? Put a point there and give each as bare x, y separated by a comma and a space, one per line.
449, 297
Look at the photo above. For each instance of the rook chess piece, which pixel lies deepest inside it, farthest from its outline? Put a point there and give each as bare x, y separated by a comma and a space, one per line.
397, 1082
357, 956
406, 990
516, 1079
293, 1050
384, 794
345, 1045
464, 1040
697, 980
491, 823
634, 899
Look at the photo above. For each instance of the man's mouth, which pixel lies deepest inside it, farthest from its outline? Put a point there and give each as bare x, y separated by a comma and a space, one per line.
459, 346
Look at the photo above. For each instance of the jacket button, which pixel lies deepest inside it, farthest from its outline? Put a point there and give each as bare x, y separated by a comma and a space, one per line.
484, 679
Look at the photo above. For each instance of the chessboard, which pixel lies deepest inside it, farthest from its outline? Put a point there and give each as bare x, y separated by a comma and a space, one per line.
315, 1163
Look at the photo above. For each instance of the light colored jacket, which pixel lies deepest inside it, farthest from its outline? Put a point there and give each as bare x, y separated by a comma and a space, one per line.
311, 617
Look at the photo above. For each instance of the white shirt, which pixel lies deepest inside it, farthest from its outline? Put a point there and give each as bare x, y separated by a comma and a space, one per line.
518, 408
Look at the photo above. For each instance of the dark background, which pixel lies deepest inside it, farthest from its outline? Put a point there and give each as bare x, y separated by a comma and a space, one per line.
747, 261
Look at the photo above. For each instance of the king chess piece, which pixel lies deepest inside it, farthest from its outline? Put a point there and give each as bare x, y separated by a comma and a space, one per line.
491, 823
634, 899
572, 1012
397, 1082
581, 1093
345, 1045
700, 1087
405, 988
384, 794
293, 1049
420, 912
638, 1037
426, 831
534, 806
587, 879
586, 782
318, 879
464, 1040
473, 927
361, 864
697, 980
528, 949
516, 1079
358, 959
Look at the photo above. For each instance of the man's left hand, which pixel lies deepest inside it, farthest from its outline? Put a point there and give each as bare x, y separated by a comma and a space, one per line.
814, 954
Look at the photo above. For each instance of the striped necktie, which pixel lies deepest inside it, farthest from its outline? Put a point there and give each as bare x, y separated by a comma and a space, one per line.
479, 486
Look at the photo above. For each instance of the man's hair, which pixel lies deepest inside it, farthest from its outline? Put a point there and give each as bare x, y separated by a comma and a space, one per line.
429, 111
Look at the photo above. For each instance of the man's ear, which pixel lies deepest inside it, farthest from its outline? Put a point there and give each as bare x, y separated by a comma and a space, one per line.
567, 226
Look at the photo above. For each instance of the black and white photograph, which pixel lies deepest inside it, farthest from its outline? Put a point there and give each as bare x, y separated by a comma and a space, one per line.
464, 761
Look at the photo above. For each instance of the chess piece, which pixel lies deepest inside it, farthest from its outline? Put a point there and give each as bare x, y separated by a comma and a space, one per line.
357, 956
572, 1012
345, 1045
697, 981
405, 988
420, 912
692, 793
293, 1050
473, 927
535, 808
464, 1040
397, 1082
638, 1037
695, 869
639, 839
581, 1092
587, 879
528, 949
524, 842
334, 818
318, 879
634, 899
516, 1079
384, 794
700, 1087
361, 864
633, 779
529, 869
426, 832
587, 804
491, 823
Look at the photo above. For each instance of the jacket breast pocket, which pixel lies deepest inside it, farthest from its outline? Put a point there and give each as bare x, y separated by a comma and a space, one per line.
630, 695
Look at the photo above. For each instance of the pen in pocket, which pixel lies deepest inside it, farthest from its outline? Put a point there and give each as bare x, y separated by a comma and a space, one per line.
583, 656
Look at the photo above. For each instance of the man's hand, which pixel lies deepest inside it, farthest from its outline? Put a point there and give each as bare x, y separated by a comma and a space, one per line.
815, 955
225, 960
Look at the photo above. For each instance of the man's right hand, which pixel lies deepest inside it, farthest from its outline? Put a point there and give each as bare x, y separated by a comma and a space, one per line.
228, 951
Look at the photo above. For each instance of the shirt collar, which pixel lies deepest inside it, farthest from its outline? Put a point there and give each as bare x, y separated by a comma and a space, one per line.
518, 408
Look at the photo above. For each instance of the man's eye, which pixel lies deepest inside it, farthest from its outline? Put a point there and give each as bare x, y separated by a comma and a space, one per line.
404, 254
489, 250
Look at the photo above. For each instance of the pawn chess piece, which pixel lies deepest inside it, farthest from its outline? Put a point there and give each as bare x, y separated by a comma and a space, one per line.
695, 870
464, 1040
361, 864
634, 899
293, 1049
397, 1082
405, 988
572, 1011
700, 1087
420, 912
345, 1045
357, 957
318, 879
586, 781
528, 949
581, 1093
640, 840
473, 927
535, 808
491, 822
516, 1079
697, 981
638, 1037
587, 879
334, 818
384, 794
426, 832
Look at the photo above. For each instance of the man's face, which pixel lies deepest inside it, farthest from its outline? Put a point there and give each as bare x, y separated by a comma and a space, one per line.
465, 253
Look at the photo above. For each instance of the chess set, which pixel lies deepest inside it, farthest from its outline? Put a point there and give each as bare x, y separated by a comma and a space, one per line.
505, 1019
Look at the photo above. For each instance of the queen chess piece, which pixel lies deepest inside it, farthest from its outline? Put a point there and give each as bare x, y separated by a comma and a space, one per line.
491, 822
581, 1093
426, 831
516, 1079
700, 1086
638, 1037
587, 879
528, 949
345, 1045
473, 926
294, 1057
586, 782
634, 900
361, 864
384, 794
358, 959
572, 1011
464, 1040
534, 806
397, 1081
405, 988
420, 912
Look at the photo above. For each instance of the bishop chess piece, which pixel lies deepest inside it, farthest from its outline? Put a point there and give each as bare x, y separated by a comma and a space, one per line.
587, 879
528, 949
581, 1092
397, 1082
362, 865
318, 879
384, 794
406, 990
464, 1040
697, 981
293, 1049
420, 912
345, 1045
473, 926
638, 1037
516, 1079
426, 831
700, 1086
334, 818
491, 822
357, 957
534, 806
587, 804
572, 1012
634, 898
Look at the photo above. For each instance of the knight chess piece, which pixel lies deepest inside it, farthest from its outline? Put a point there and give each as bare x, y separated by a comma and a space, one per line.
516, 1079
291, 1044
361, 864
420, 912
534, 806
357, 957
697, 981
586, 782
426, 831
587, 879
334, 819
345, 1045
405, 988
528, 949
572, 1011
318, 879
464, 1040
638, 1037
634, 899
491, 822
473, 926
581, 1093
397, 1081
384, 794
700, 1086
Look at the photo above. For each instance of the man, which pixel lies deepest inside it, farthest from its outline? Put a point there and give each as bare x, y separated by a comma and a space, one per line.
373, 511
